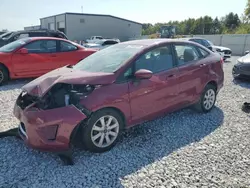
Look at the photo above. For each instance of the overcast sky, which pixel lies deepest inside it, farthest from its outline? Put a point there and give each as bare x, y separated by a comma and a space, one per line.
16, 14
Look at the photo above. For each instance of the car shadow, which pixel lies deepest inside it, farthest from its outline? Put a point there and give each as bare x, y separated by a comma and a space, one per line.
243, 82
149, 142
138, 147
14, 84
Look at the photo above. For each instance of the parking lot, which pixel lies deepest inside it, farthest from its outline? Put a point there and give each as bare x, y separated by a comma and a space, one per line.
182, 149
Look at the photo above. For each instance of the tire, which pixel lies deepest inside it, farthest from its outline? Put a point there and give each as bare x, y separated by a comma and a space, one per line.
94, 131
4, 75
205, 107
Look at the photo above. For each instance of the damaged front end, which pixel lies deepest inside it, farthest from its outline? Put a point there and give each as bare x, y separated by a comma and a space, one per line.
60, 95
50, 120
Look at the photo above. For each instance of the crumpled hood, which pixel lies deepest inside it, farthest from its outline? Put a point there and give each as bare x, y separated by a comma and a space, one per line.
41, 85
244, 59
221, 48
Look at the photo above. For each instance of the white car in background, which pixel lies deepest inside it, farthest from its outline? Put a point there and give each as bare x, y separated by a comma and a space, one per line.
104, 43
225, 52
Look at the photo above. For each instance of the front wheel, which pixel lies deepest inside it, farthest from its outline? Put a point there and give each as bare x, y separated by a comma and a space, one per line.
102, 130
207, 99
4, 76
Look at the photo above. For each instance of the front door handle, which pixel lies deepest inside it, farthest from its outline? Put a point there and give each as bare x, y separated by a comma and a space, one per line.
53, 55
202, 65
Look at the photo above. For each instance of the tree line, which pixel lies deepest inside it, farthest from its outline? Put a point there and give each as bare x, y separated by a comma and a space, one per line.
229, 24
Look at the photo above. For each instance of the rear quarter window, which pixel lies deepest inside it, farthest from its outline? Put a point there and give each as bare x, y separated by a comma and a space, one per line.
203, 52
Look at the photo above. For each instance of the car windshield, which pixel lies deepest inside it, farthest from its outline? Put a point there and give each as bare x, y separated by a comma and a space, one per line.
109, 59
14, 45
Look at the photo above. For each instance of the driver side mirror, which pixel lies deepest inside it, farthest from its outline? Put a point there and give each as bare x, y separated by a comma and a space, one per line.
246, 52
23, 51
143, 74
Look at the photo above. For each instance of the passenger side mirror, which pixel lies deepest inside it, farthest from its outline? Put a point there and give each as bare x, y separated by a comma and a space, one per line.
23, 51
143, 74
246, 52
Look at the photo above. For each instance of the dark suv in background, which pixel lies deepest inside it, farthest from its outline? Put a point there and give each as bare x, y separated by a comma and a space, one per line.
12, 36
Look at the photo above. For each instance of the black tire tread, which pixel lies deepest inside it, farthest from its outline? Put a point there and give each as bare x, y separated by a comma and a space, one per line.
5, 74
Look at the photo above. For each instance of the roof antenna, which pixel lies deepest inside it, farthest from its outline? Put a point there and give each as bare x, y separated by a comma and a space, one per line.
82, 8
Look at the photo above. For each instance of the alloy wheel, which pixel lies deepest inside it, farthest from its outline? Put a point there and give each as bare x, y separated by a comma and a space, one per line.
105, 131
209, 99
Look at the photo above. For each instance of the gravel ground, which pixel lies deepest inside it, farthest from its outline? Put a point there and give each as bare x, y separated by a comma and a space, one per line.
183, 149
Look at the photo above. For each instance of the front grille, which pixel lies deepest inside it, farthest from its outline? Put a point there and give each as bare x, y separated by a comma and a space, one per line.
228, 52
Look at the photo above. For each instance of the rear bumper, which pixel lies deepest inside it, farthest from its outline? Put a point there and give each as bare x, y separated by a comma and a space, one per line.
48, 130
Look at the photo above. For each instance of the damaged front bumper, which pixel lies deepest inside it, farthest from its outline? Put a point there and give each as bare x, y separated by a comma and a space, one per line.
47, 130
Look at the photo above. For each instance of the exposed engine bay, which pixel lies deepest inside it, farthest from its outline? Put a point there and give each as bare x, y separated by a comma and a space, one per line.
59, 95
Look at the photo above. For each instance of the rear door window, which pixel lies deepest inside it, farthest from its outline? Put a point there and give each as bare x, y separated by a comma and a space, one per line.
203, 52
67, 47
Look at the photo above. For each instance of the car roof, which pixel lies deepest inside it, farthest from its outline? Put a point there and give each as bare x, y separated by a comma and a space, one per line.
188, 38
47, 38
154, 42
37, 31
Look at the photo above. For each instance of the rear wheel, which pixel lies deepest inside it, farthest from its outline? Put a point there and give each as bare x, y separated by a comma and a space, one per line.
207, 99
102, 130
4, 75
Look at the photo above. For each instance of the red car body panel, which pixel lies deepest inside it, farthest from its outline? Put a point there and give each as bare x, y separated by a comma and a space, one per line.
164, 92
36, 64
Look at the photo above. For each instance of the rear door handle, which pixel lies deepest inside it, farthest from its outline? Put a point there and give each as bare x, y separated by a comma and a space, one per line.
170, 76
53, 55
202, 65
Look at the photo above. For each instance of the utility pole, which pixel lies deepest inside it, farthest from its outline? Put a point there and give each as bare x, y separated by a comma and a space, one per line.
82, 8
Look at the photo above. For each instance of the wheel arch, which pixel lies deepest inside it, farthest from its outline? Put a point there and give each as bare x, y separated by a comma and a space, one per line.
117, 110
75, 133
4, 66
213, 83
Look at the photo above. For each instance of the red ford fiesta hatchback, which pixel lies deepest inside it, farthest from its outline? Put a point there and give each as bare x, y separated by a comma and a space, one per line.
116, 88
